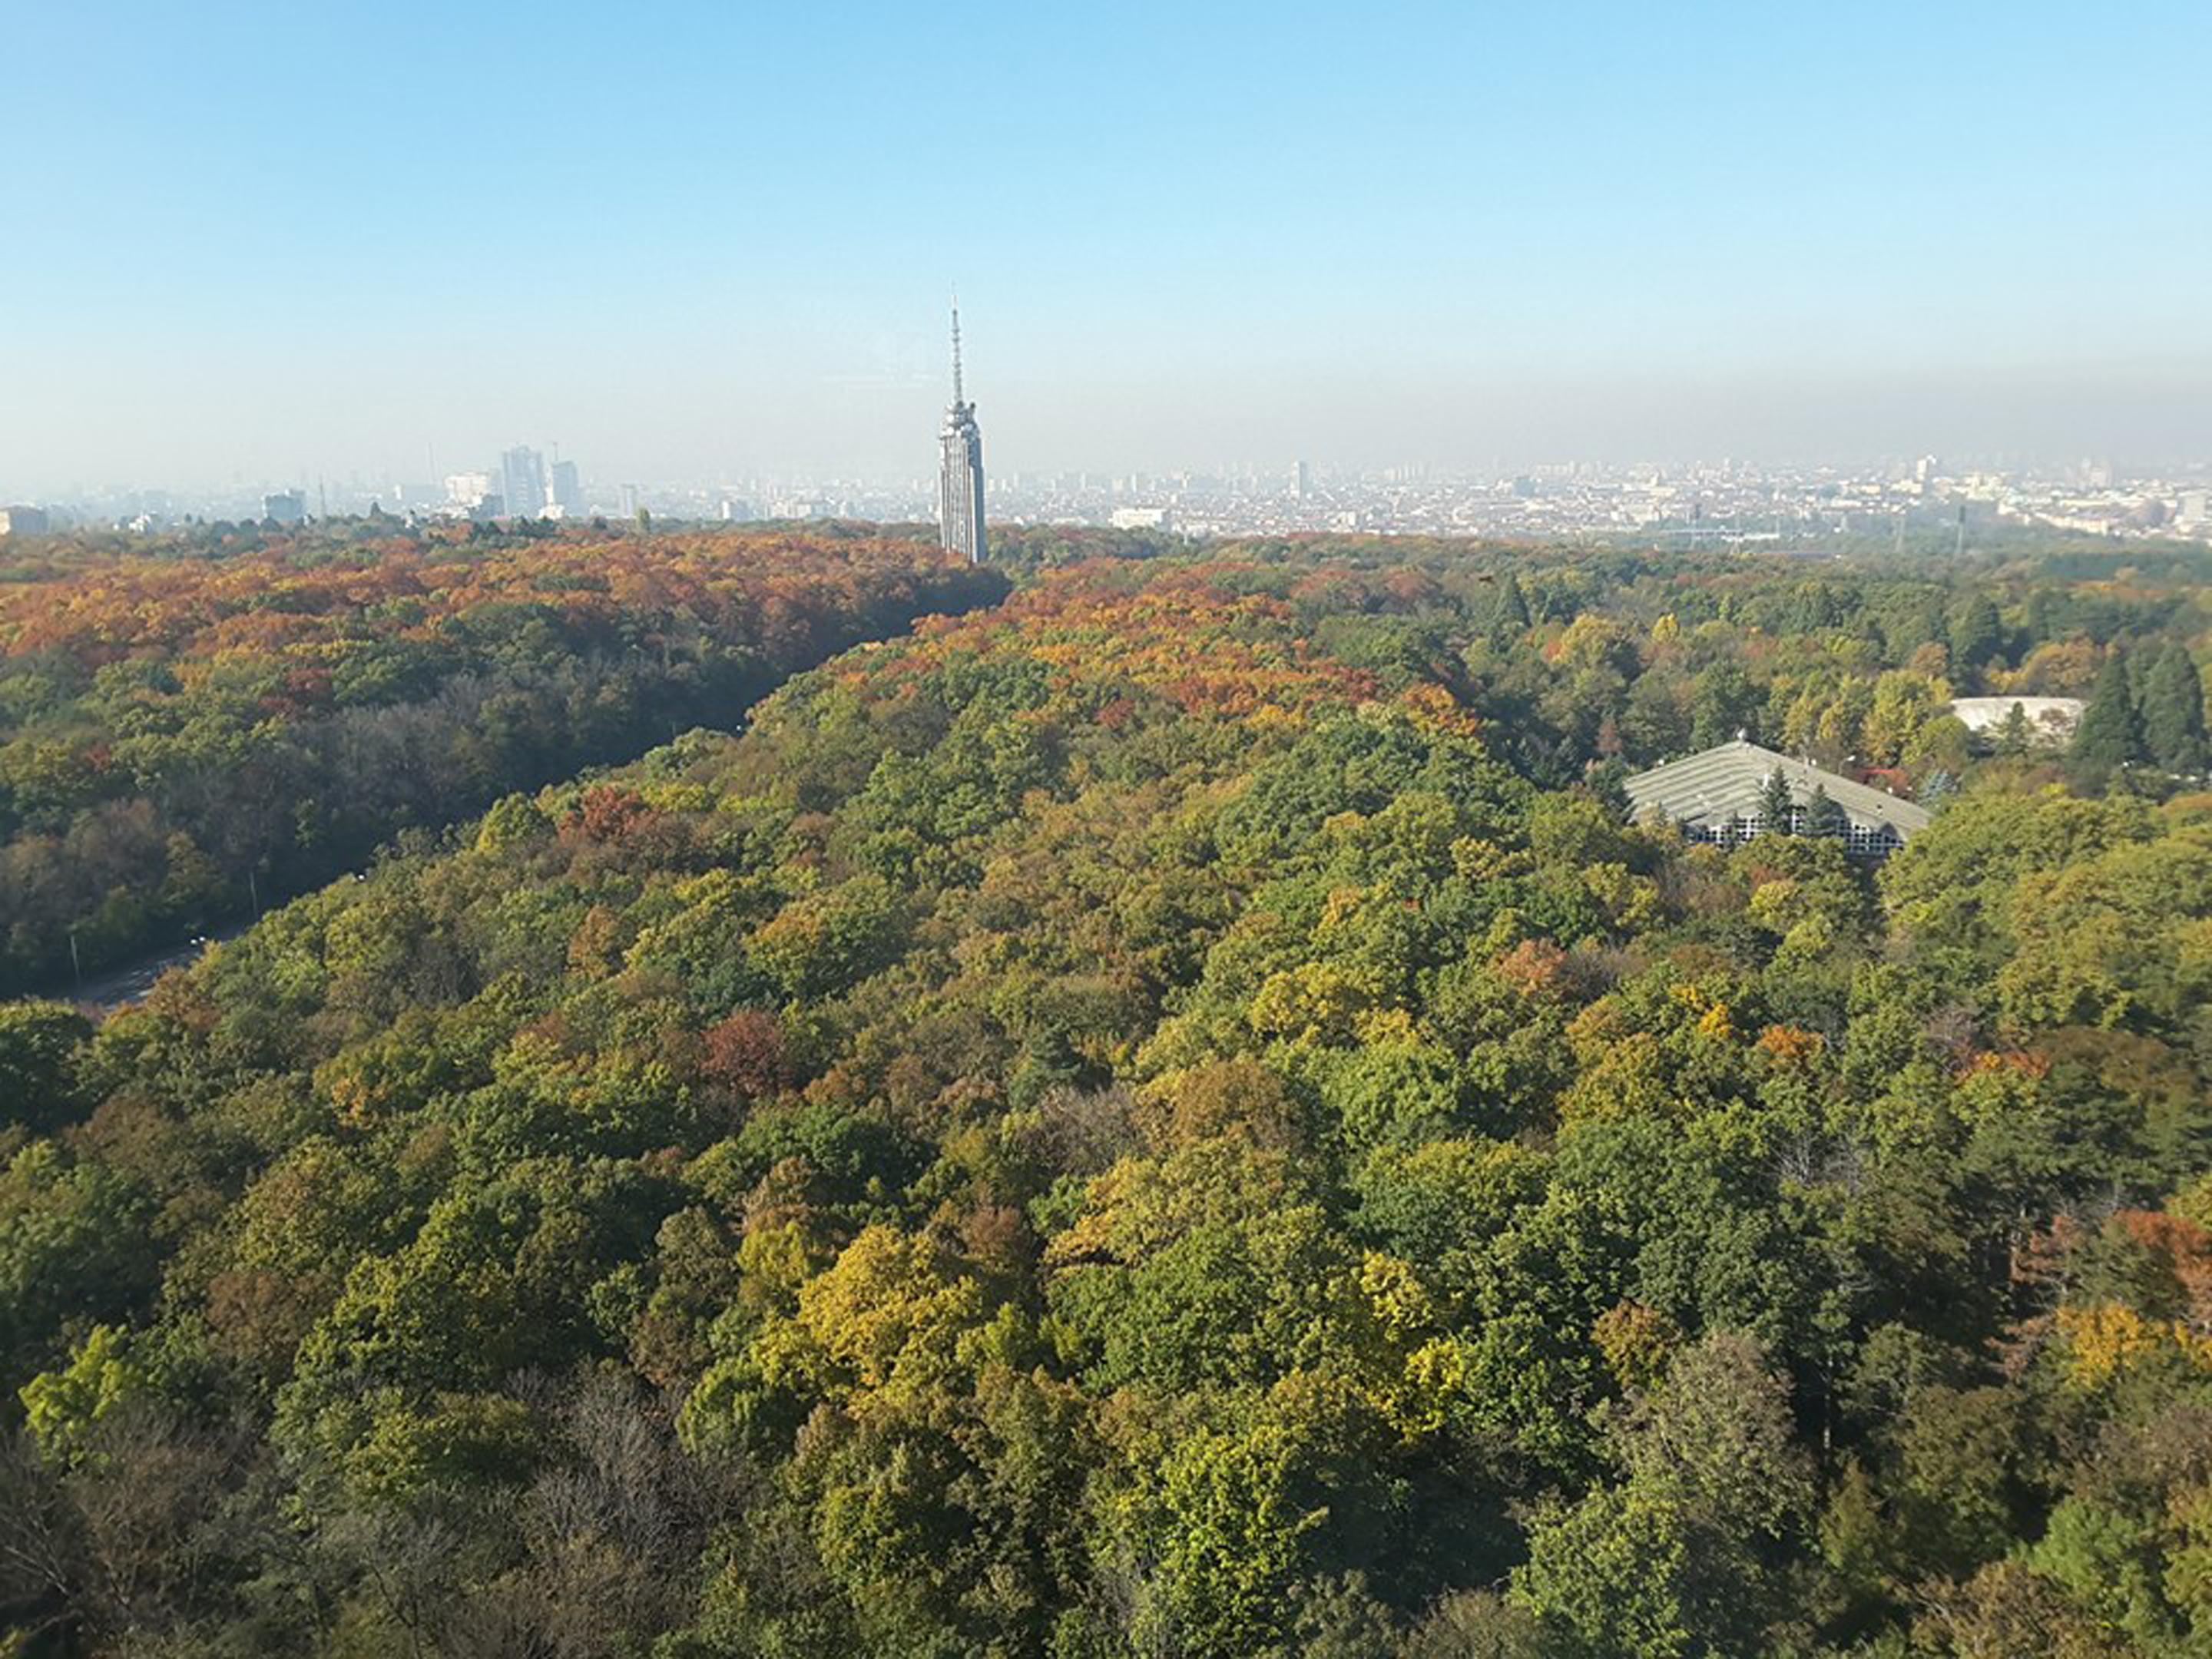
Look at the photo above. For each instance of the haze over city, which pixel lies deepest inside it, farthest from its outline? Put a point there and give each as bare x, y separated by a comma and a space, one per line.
688, 240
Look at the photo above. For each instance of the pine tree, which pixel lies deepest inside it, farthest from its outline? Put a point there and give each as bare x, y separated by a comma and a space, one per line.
2014, 735
1824, 817
2109, 734
1775, 804
2041, 618
1976, 634
1510, 619
2173, 713
2139, 664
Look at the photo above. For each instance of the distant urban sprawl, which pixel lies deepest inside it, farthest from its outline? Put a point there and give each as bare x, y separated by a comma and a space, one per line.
1723, 501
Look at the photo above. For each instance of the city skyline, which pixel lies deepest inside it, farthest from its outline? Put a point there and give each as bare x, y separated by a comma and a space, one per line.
2162, 422
1450, 236
1932, 499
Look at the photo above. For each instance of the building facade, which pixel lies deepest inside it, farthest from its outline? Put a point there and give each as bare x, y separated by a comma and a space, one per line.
960, 469
566, 488
1720, 795
522, 482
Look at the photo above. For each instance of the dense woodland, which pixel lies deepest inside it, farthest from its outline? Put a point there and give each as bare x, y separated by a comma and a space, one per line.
1166, 1117
189, 726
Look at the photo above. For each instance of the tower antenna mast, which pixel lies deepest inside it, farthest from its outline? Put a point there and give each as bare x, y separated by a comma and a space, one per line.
958, 395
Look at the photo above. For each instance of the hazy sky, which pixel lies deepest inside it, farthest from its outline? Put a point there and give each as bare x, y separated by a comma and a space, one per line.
266, 241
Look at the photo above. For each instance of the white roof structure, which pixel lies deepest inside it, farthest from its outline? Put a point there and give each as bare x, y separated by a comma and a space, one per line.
1726, 786
2055, 715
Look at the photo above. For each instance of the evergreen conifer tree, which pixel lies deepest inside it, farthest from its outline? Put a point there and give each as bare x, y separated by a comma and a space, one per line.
2173, 713
1977, 633
2041, 617
1510, 619
1775, 804
1823, 817
2109, 735
2014, 735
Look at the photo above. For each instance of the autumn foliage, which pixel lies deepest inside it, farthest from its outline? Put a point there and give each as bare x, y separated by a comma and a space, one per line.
1172, 1113
180, 734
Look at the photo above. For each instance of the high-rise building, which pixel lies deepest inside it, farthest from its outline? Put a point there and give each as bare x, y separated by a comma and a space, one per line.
522, 482
23, 521
567, 488
286, 507
960, 469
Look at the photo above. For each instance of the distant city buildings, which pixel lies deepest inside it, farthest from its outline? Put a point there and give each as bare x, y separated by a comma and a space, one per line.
23, 521
960, 469
285, 507
567, 490
1914, 501
473, 495
523, 486
1724, 504
522, 482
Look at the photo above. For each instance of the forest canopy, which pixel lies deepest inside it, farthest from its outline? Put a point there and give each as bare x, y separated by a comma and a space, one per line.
1173, 1115
186, 730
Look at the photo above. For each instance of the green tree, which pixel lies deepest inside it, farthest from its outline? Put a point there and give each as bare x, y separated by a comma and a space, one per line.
39, 1045
1509, 613
61, 1405
1723, 703
1224, 1516
74, 1249
1776, 807
1604, 1577
2174, 731
1823, 817
1683, 1557
2109, 735
1976, 634
1905, 704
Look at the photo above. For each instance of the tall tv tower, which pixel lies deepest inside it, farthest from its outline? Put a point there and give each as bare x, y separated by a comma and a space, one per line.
960, 468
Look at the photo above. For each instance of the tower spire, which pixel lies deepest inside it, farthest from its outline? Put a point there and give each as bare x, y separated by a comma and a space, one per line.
958, 395
960, 471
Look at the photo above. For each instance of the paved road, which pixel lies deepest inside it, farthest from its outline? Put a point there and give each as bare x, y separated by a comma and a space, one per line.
121, 986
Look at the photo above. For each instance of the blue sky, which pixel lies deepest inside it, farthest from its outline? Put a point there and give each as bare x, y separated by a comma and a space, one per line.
259, 240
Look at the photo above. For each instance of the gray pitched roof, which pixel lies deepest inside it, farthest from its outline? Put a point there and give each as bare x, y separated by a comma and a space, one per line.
1726, 782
